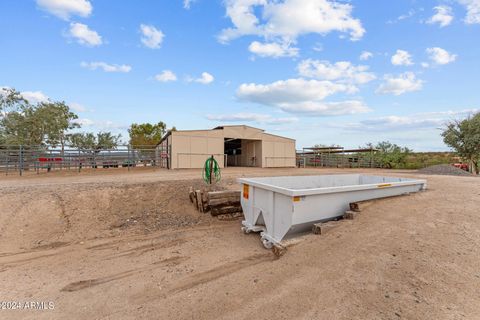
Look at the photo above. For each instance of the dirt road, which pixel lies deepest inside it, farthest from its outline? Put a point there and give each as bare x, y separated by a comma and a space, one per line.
130, 246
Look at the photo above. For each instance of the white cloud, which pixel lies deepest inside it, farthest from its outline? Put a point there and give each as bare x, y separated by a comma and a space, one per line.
392, 124
206, 78
443, 16
450, 113
77, 107
441, 56
35, 96
166, 76
283, 22
84, 122
290, 90
408, 15
187, 3
365, 55
473, 11
275, 50
66, 8
107, 67
405, 82
152, 37
343, 71
285, 120
302, 96
84, 35
402, 58
426, 120
251, 117
321, 108
403, 122
318, 47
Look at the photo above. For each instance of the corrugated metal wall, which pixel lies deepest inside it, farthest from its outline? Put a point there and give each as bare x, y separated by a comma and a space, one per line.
190, 149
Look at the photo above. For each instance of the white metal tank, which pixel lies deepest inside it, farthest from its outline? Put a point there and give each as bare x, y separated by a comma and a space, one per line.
280, 206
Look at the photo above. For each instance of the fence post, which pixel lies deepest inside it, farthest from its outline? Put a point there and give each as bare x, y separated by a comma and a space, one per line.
20, 159
128, 158
79, 166
371, 158
7, 158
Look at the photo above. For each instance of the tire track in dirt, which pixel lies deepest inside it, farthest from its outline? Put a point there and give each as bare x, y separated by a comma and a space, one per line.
84, 284
19, 262
44, 247
164, 234
220, 272
138, 251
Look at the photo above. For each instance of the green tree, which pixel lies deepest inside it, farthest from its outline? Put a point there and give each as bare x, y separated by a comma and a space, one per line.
464, 137
107, 140
56, 120
333, 146
390, 155
11, 100
82, 141
22, 127
146, 135
94, 142
22, 123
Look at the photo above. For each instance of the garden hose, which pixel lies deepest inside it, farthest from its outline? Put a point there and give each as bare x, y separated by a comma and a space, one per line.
211, 171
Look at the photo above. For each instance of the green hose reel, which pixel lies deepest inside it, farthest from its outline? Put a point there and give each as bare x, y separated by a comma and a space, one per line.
211, 171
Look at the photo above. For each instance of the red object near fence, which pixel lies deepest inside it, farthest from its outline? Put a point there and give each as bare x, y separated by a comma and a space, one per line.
45, 159
462, 166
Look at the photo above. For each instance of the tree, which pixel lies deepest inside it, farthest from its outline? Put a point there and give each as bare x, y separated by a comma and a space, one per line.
45, 123
95, 143
390, 155
464, 137
333, 146
56, 119
107, 140
22, 127
11, 100
146, 135
82, 141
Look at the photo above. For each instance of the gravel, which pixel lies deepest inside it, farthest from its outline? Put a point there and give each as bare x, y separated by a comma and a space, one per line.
446, 170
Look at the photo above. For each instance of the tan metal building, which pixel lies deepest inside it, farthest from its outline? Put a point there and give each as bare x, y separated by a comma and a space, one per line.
236, 145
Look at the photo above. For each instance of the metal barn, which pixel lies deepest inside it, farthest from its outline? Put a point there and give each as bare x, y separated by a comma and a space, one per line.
236, 145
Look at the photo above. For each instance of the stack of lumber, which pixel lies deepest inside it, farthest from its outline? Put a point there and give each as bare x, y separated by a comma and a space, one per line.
224, 202
216, 202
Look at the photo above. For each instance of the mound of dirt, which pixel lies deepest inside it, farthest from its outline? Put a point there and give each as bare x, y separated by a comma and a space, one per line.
76, 212
445, 169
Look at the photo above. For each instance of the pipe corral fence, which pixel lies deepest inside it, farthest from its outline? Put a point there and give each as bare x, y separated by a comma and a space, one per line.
35, 159
337, 157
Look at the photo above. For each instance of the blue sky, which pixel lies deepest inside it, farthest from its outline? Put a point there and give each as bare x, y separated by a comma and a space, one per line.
319, 71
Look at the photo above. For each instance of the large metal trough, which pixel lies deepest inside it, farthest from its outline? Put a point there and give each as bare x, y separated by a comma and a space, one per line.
282, 206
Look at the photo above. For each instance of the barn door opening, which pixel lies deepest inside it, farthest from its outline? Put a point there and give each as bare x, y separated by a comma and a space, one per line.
233, 150
243, 152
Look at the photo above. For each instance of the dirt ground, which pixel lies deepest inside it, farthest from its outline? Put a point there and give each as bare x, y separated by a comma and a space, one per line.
129, 245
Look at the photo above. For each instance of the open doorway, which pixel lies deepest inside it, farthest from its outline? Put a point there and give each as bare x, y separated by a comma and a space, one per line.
233, 150
243, 152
